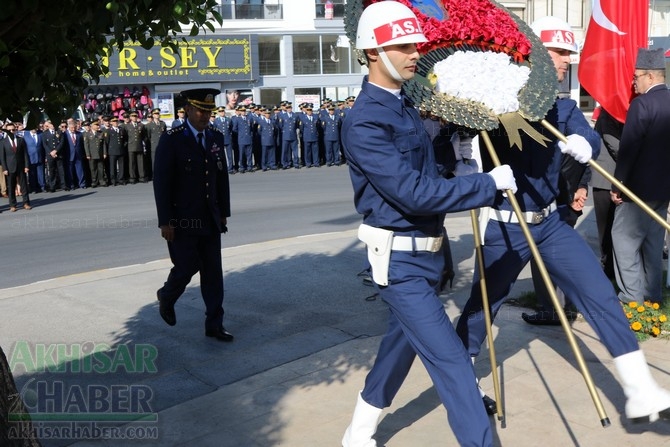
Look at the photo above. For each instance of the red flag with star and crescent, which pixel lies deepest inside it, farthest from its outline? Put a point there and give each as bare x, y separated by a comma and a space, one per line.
607, 63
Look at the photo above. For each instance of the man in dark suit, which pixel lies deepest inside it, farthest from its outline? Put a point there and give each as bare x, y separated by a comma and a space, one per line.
54, 151
115, 139
643, 165
15, 162
74, 141
193, 203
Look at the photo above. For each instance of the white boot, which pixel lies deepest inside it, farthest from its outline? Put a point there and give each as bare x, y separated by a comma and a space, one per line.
646, 400
363, 425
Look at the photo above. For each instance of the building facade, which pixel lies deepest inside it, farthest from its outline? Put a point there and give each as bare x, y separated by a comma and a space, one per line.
267, 51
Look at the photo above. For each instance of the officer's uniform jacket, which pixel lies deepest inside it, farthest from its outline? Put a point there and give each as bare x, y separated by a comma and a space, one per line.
309, 129
94, 145
136, 137
191, 183
266, 130
331, 127
52, 141
537, 168
393, 170
288, 126
224, 125
153, 131
115, 139
243, 127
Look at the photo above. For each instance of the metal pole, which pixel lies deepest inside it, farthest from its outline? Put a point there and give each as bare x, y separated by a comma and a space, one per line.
487, 313
604, 420
610, 178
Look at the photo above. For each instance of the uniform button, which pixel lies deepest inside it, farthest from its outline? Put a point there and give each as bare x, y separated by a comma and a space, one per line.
206, 172
206, 183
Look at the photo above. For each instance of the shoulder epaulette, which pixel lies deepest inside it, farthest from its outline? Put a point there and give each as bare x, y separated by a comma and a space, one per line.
176, 130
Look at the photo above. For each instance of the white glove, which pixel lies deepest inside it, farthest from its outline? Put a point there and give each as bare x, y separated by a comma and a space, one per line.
463, 168
504, 178
577, 147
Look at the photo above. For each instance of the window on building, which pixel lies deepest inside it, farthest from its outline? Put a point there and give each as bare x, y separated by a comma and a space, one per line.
251, 9
335, 58
270, 96
269, 55
329, 9
306, 55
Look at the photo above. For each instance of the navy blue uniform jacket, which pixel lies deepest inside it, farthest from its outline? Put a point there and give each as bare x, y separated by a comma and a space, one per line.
393, 170
191, 184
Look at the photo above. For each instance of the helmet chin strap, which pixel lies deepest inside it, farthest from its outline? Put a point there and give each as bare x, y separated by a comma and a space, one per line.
389, 66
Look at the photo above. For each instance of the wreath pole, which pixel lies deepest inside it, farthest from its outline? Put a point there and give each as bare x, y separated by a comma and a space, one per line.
610, 178
487, 313
604, 420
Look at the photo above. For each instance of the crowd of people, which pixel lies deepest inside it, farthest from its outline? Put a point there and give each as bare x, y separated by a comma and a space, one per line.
112, 150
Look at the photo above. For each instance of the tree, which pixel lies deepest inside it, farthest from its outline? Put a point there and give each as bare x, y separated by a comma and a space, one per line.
51, 51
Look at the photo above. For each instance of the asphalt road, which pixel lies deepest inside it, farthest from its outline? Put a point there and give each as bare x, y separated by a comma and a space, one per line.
84, 230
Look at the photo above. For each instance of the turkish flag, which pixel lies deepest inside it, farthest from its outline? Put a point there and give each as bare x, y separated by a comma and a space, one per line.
607, 63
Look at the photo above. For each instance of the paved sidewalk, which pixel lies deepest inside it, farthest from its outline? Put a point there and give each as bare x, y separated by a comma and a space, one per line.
305, 339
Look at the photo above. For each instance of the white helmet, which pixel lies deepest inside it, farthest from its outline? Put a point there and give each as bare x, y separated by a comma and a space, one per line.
387, 23
555, 33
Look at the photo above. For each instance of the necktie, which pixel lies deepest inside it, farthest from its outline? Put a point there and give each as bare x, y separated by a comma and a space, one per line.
200, 138
74, 139
13, 144
310, 118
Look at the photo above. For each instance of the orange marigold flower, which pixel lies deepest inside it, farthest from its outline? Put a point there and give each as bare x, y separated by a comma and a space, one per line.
640, 309
655, 331
662, 318
655, 306
629, 315
636, 326
648, 319
632, 304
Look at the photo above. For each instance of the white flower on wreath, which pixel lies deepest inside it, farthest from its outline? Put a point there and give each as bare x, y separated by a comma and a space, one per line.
489, 78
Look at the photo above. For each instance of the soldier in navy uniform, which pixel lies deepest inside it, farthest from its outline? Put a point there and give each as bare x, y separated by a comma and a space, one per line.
309, 128
266, 130
331, 136
193, 204
243, 127
288, 125
223, 123
180, 118
115, 139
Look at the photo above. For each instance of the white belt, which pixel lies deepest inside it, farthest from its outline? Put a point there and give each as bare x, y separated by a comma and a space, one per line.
531, 217
409, 243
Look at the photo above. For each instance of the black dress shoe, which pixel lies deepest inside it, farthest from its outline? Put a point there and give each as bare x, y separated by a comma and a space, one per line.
220, 334
166, 310
489, 405
547, 317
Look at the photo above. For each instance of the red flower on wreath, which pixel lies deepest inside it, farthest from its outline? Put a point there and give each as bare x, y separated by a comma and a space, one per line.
472, 22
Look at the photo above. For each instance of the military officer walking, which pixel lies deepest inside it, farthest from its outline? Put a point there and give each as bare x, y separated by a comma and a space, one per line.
193, 203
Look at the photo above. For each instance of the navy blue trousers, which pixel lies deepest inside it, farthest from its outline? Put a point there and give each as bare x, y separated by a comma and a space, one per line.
197, 253
572, 266
418, 324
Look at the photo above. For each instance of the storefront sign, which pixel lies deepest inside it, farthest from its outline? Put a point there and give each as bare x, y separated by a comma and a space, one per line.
199, 59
